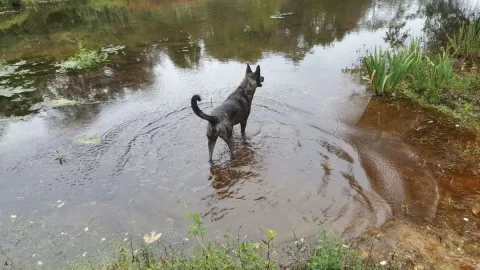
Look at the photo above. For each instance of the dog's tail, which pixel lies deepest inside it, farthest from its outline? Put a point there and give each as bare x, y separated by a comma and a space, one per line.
197, 111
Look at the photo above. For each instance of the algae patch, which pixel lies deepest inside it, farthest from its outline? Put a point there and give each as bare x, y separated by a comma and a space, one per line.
95, 139
50, 104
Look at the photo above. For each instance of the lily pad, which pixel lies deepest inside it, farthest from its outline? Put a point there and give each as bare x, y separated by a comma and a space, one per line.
281, 15
10, 91
112, 49
95, 139
20, 63
7, 70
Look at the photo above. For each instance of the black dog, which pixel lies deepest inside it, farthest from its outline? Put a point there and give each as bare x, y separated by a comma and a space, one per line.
234, 110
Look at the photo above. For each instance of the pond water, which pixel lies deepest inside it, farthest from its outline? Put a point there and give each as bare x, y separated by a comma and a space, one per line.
75, 178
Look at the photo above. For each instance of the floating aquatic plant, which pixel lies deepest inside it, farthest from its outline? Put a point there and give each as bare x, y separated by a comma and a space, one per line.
83, 60
95, 139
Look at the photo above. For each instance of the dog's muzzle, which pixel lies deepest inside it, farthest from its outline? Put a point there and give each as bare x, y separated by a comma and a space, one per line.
259, 82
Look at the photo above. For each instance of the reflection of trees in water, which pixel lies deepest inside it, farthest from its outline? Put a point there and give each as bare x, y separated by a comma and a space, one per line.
241, 30
224, 29
245, 30
104, 84
383, 13
445, 17
19, 107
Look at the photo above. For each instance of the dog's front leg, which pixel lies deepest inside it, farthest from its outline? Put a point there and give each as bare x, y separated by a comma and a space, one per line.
231, 145
243, 125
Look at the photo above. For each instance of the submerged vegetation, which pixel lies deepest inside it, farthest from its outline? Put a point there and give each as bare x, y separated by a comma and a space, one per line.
83, 60
432, 79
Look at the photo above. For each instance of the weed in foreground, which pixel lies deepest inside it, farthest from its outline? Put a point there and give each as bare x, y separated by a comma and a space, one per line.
82, 60
330, 254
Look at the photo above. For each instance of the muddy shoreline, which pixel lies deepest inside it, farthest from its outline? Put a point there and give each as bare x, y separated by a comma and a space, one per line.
448, 240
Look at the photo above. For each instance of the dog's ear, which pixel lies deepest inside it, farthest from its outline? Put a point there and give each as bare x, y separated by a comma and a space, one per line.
257, 71
249, 70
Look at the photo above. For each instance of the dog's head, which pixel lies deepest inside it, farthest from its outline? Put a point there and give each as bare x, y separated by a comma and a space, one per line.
255, 76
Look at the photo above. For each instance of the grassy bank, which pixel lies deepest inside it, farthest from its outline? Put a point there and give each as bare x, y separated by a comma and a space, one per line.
328, 252
447, 81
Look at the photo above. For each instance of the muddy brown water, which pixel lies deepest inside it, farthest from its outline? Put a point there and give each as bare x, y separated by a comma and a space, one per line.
312, 152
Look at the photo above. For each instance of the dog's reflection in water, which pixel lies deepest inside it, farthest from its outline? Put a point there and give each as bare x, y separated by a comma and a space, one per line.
227, 175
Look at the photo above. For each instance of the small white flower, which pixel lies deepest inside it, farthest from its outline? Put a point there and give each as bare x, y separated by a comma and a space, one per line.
126, 233
62, 233
383, 263
301, 240
186, 239
103, 239
13, 217
40, 263
135, 251
59, 201
33, 256
86, 229
466, 219
125, 239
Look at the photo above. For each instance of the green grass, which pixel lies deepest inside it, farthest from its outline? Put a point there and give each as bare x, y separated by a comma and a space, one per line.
430, 78
466, 42
330, 253
411, 68
387, 69
83, 60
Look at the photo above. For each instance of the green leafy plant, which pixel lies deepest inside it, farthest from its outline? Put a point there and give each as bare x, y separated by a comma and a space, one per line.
466, 42
333, 253
387, 69
83, 60
439, 74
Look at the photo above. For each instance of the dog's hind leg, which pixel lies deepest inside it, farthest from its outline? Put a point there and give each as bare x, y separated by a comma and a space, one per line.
228, 138
211, 145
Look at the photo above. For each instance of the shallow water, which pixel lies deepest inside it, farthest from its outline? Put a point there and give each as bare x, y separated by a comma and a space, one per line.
318, 148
